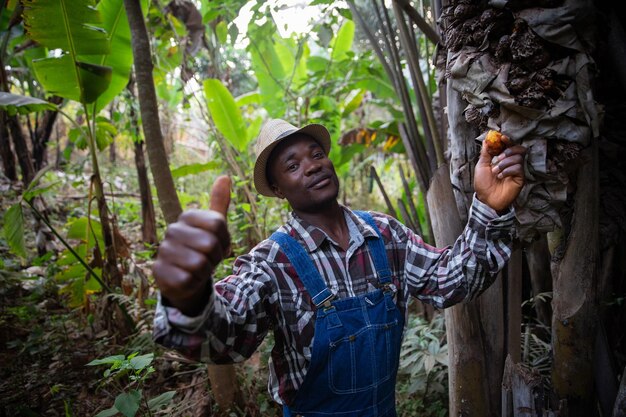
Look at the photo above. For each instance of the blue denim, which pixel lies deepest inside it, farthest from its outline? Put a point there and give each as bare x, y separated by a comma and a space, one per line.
356, 347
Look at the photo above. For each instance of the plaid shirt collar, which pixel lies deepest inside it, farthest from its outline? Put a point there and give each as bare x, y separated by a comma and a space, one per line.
312, 237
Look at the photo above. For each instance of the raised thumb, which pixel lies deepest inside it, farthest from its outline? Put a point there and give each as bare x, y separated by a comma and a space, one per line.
220, 195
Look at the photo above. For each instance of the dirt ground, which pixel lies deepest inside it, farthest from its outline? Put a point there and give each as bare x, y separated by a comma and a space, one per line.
45, 349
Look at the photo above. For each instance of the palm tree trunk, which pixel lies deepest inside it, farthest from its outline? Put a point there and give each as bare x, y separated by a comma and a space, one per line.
159, 165
574, 320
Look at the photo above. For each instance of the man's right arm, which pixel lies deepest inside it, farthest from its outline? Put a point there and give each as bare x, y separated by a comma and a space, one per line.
235, 319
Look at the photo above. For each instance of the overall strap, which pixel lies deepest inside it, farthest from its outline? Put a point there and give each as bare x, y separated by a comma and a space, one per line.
377, 249
304, 266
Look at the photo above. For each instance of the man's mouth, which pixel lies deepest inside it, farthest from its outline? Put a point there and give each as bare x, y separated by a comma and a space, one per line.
319, 183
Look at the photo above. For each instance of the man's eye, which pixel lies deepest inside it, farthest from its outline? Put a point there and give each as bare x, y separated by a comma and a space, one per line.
292, 167
318, 155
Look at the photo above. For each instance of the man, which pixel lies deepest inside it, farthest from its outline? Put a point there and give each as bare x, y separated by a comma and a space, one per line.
332, 283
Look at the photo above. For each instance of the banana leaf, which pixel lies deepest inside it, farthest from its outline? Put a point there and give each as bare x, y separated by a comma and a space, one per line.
69, 26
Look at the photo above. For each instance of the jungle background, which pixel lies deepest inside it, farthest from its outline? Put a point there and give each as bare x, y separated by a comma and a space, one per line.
116, 115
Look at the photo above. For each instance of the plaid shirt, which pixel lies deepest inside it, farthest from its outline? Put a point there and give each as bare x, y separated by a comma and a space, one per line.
265, 293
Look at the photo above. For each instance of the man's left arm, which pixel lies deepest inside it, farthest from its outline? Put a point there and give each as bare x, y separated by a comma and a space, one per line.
449, 275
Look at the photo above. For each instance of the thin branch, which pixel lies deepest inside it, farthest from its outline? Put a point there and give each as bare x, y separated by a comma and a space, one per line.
421, 23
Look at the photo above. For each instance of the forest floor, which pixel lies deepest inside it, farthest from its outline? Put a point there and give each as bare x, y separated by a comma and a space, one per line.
46, 344
45, 348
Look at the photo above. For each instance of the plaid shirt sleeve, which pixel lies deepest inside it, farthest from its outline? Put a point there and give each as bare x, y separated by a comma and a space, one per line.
235, 319
446, 276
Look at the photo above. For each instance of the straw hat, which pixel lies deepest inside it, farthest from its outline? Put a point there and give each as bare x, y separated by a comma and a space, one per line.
272, 133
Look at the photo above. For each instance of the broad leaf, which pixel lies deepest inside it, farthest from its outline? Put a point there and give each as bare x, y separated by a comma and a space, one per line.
74, 80
343, 41
160, 400
16, 104
141, 361
128, 402
14, 229
115, 23
107, 361
68, 25
269, 68
191, 169
225, 113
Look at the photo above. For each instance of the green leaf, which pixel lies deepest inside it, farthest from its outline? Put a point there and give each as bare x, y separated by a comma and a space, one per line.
160, 400
225, 113
128, 402
221, 30
141, 361
352, 101
14, 229
71, 75
66, 25
74, 80
191, 169
254, 128
108, 412
252, 97
16, 104
115, 23
343, 41
107, 361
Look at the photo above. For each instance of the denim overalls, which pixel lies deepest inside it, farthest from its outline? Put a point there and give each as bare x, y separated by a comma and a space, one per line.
356, 347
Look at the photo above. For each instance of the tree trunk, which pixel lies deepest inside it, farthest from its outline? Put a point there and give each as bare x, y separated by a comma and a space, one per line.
148, 218
575, 310
467, 374
43, 133
159, 165
8, 158
148, 221
24, 157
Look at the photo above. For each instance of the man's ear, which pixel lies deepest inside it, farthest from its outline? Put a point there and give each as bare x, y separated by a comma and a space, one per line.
277, 191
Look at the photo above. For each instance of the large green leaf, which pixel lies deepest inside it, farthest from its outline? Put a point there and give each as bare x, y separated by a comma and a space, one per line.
225, 113
271, 67
343, 41
14, 229
115, 23
75, 80
128, 402
68, 26
16, 104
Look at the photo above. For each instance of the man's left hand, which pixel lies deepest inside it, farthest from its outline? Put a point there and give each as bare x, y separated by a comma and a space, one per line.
498, 180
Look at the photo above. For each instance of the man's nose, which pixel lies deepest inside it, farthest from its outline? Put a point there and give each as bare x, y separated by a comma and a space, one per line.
312, 166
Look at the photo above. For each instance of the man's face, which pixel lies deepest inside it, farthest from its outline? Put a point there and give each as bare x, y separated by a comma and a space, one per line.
300, 171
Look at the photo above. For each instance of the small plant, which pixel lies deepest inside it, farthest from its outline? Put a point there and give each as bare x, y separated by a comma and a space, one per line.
133, 369
423, 370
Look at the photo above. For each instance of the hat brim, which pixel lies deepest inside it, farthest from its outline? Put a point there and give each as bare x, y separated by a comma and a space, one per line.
316, 131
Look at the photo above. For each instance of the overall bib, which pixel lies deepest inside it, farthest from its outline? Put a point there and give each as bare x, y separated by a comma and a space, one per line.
356, 347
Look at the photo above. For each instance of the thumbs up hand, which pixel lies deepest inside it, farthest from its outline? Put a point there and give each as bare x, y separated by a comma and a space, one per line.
192, 248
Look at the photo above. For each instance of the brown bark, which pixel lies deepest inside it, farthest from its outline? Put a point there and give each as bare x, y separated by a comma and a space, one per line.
575, 310
43, 133
148, 222
24, 157
159, 165
467, 374
8, 158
